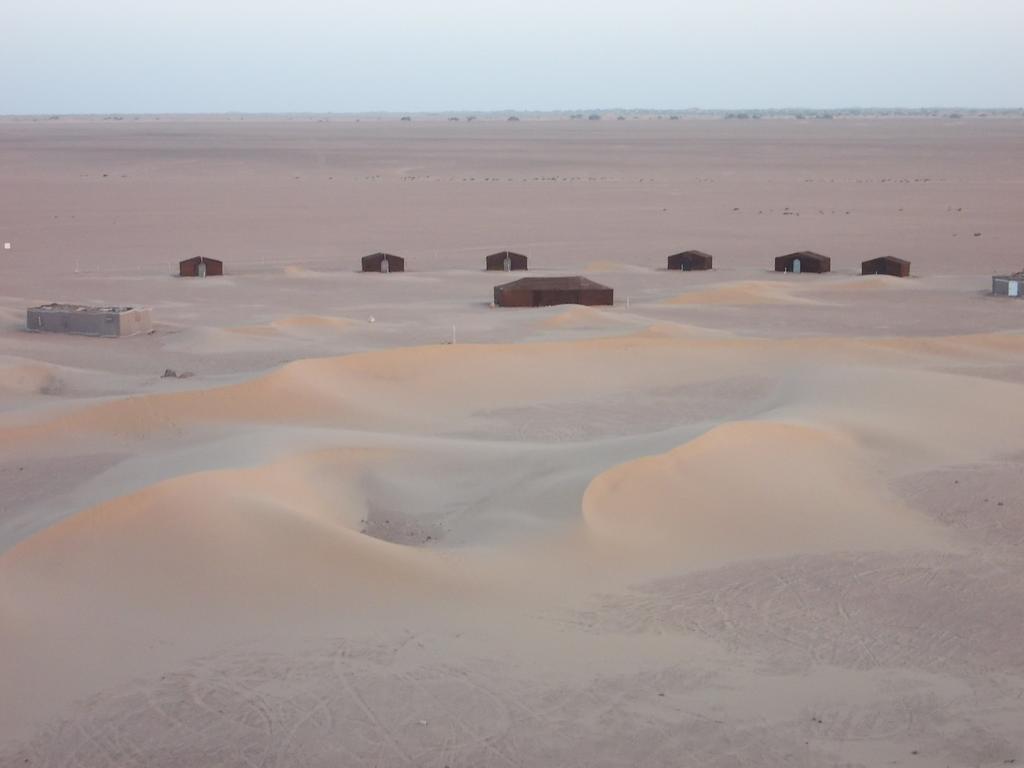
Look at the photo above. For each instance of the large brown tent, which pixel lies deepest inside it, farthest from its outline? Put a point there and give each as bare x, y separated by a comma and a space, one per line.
886, 265
383, 262
548, 291
507, 261
200, 266
803, 261
689, 260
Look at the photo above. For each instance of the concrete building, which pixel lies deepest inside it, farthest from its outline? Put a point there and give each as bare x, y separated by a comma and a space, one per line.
690, 261
548, 291
507, 261
803, 261
89, 321
1009, 285
383, 262
886, 265
200, 266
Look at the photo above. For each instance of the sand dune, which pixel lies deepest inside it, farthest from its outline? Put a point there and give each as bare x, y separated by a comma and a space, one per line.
579, 317
295, 326
218, 551
793, 289
225, 540
749, 490
359, 391
294, 270
19, 376
685, 330
22, 376
219, 341
913, 418
749, 293
863, 284
311, 322
974, 348
241, 338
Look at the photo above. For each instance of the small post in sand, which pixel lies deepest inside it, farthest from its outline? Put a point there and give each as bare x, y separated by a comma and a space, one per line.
453, 333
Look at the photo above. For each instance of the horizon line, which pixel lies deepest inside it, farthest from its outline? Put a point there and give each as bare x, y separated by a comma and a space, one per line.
510, 111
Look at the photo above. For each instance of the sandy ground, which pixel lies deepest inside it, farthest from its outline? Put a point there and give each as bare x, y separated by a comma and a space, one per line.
747, 520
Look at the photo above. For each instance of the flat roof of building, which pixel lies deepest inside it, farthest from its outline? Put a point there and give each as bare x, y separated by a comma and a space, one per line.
886, 258
554, 283
81, 308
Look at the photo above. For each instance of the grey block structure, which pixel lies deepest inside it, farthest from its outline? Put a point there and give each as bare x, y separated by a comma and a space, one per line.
90, 321
1009, 285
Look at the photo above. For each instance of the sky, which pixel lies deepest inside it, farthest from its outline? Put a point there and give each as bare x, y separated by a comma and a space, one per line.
212, 56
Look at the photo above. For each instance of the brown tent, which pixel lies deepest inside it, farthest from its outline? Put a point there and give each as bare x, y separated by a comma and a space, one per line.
383, 262
200, 266
690, 260
548, 291
886, 265
507, 261
803, 261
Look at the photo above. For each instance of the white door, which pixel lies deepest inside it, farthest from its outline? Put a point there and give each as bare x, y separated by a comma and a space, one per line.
384, 265
508, 263
1013, 289
201, 270
796, 265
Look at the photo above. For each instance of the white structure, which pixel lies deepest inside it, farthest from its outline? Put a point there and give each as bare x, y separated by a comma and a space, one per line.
89, 321
1008, 285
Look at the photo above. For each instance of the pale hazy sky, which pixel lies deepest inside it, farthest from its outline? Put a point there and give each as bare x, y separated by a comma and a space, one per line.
70, 56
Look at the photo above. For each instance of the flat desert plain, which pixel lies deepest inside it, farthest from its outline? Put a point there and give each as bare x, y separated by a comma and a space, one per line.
739, 518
